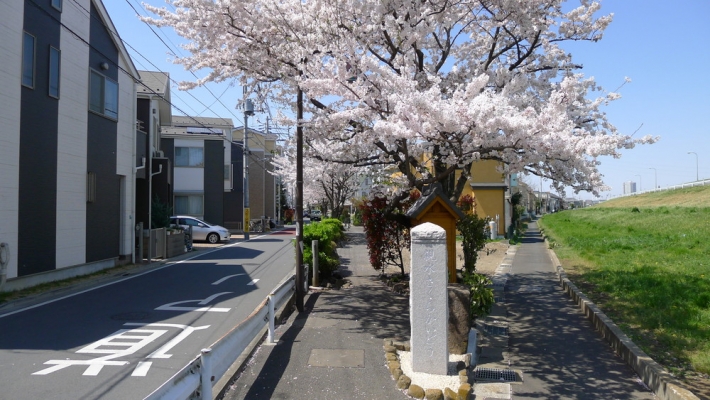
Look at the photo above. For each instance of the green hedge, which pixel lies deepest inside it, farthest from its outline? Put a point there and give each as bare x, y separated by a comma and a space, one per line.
328, 233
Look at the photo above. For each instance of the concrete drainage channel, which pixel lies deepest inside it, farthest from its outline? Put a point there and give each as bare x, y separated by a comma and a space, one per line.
492, 375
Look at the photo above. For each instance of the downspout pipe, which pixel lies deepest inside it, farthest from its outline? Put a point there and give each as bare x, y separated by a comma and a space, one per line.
4, 261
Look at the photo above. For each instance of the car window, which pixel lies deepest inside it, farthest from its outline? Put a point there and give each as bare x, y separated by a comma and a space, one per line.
192, 222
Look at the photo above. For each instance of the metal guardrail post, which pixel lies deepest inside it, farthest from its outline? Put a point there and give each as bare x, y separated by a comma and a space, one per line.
272, 322
206, 375
213, 362
314, 246
305, 280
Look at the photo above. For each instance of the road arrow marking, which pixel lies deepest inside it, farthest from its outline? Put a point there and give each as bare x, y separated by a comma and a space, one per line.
174, 307
225, 278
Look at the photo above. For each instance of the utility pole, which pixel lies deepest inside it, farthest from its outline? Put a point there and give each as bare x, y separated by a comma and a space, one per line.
299, 202
248, 110
263, 176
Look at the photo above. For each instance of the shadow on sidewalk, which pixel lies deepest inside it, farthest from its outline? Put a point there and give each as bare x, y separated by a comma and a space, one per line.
264, 386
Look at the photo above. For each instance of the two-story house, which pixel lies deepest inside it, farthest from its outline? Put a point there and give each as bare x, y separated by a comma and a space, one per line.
67, 144
207, 169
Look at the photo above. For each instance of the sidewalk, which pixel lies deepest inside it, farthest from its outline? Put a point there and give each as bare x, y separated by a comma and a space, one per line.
334, 350
550, 343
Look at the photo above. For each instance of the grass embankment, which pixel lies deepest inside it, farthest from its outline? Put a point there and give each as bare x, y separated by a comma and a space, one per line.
648, 268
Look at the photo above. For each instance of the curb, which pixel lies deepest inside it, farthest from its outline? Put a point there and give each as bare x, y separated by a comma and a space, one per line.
663, 384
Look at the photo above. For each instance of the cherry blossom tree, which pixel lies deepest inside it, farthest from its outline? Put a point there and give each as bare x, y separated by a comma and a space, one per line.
330, 184
423, 87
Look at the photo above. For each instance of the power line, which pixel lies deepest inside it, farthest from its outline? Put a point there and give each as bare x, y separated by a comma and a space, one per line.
191, 72
118, 37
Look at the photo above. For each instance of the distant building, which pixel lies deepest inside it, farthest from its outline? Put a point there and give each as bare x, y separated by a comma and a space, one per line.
262, 183
629, 187
206, 169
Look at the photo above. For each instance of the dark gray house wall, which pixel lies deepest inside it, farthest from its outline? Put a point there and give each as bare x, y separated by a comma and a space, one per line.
38, 150
103, 214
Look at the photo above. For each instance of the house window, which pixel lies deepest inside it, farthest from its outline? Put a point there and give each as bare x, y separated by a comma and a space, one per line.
57, 4
227, 172
28, 60
103, 95
188, 204
54, 60
188, 157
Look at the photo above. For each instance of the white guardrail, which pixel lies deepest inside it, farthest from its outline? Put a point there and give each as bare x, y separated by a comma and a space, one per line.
681, 186
194, 381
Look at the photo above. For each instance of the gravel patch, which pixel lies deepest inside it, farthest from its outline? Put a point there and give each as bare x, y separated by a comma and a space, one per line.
432, 381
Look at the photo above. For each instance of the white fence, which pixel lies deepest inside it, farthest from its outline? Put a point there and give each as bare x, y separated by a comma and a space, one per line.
682, 186
194, 381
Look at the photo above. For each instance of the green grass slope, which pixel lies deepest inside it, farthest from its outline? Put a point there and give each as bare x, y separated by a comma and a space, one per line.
690, 197
645, 260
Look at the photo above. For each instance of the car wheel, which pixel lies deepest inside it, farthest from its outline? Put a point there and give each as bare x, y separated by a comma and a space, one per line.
213, 238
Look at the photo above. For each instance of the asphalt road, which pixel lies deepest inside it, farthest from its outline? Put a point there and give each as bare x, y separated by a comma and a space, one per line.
124, 339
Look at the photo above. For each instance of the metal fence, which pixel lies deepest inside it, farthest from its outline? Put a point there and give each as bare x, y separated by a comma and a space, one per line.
194, 381
681, 186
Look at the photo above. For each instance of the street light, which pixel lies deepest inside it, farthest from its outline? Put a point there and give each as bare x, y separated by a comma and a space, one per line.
640, 183
697, 176
655, 179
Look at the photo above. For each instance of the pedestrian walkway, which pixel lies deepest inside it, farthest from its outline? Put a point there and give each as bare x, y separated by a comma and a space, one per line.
334, 350
550, 342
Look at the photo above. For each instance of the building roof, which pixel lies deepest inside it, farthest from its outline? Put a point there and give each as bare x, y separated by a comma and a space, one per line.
154, 82
432, 193
181, 120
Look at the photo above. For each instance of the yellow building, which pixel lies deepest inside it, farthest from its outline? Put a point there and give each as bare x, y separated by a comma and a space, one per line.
489, 187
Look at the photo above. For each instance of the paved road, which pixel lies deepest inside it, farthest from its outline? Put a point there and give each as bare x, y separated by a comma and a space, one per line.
123, 340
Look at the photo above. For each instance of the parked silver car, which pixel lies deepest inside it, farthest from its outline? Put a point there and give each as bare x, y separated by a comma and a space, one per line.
201, 230
316, 215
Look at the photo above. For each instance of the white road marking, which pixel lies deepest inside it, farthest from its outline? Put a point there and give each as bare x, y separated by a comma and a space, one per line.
121, 343
173, 306
142, 368
186, 331
253, 282
225, 278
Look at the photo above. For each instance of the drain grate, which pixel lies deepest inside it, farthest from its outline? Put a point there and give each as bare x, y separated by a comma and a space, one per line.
499, 282
495, 374
495, 330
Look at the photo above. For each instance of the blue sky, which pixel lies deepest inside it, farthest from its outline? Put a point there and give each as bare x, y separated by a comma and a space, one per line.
661, 46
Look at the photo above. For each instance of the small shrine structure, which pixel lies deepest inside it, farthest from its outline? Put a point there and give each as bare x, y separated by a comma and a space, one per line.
433, 206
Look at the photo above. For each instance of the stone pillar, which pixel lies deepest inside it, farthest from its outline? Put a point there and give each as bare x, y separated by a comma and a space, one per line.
428, 300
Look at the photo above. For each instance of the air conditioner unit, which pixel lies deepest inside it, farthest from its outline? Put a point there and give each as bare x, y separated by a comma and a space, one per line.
158, 154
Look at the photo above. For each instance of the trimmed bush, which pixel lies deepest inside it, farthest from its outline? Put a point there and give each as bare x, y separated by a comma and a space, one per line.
328, 232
